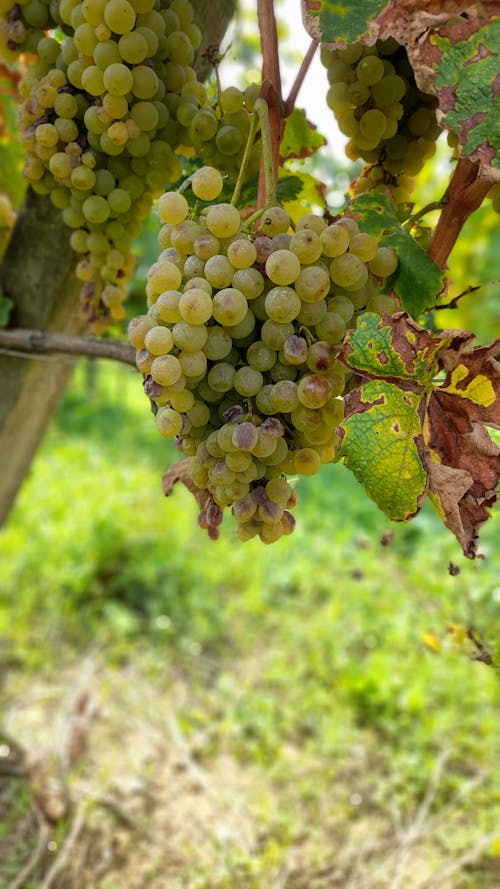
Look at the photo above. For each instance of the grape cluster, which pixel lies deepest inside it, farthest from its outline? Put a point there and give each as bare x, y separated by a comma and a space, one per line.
219, 132
23, 25
239, 344
390, 123
105, 112
99, 127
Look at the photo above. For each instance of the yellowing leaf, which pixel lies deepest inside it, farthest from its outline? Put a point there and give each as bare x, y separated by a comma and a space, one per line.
381, 444
431, 641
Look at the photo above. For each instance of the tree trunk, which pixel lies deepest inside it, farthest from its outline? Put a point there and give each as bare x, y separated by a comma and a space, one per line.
37, 274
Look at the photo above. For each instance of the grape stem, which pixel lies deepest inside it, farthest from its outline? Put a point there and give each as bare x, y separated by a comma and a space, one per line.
415, 217
267, 165
268, 154
245, 159
23, 340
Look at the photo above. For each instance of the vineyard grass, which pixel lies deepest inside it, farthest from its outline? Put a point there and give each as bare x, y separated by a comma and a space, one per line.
324, 642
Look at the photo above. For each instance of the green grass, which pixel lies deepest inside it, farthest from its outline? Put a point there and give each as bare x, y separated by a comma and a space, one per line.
295, 654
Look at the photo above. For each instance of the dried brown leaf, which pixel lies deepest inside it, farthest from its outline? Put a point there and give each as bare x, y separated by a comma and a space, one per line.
179, 472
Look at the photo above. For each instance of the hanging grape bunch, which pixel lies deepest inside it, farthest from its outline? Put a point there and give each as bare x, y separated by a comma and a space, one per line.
389, 122
239, 345
104, 112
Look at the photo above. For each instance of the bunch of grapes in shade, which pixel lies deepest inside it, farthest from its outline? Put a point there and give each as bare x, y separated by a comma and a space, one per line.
108, 106
239, 346
389, 122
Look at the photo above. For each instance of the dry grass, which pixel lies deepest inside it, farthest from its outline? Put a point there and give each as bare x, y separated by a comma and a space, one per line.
117, 796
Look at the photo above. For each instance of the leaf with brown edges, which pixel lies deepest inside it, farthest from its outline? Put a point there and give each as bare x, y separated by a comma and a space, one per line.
464, 462
459, 462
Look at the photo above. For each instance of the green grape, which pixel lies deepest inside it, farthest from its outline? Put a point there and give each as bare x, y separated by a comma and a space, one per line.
172, 207
347, 270
207, 182
118, 79
306, 461
195, 306
248, 381
306, 245
313, 390
242, 330
168, 422
363, 246
159, 340
342, 306
260, 357
189, 337
223, 220
282, 304
229, 140
274, 334
166, 370
311, 313
133, 48
274, 221
250, 282
370, 70
218, 271
283, 267
331, 328
218, 344
194, 364
313, 284
241, 253
119, 16
221, 377
229, 306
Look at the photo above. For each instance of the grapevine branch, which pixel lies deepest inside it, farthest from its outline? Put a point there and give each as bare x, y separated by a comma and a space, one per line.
299, 80
32, 341
465, 193
271, 85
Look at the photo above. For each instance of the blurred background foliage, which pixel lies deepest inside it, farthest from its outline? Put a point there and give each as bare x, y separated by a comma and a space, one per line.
347, 644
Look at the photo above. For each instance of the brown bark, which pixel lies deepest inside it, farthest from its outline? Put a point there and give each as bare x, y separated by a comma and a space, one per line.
43, 342
464, 194
37, 275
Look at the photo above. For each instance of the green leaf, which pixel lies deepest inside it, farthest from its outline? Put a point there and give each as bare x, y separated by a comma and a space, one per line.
289, 187
467, 87
301, 138
417, 280
381, 441
300, 193
6, 305
344, 20
393, 348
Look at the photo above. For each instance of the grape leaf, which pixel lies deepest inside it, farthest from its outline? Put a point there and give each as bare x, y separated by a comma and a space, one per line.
309, 194
408, 417
179, 472
464, 60
290, 186
417, 280
393, 348
340, 21
381, 440
300, 138
464, 461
